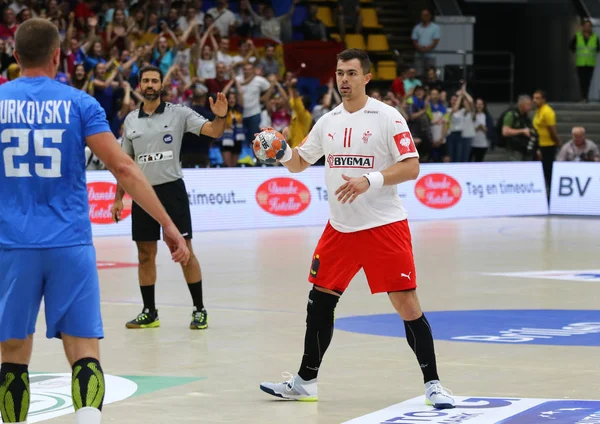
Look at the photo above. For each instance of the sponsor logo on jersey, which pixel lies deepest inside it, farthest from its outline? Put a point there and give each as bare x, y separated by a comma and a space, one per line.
155, 157
438, 191
101, 196
366, 136
350, 161
168, 138
405, 143
283, 196
373, 112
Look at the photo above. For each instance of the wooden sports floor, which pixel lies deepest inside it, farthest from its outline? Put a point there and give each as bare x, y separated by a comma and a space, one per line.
255, 286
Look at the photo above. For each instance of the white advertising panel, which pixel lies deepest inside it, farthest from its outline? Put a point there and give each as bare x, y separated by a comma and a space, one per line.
575, 188
245, 198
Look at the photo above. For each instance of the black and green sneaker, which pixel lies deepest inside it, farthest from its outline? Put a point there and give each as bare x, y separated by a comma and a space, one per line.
199, 319
145, 319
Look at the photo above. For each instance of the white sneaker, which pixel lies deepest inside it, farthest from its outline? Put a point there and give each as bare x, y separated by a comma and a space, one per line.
293, 389
437, 396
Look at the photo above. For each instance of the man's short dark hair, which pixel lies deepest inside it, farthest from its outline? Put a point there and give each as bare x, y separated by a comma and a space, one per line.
359, 54
541, 93
36, 40
150, 68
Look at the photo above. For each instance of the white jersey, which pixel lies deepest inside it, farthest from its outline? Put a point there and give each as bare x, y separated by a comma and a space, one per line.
369, 140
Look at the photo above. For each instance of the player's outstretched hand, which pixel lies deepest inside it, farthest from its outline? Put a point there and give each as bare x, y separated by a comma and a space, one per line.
351, 189
116, 209
220, 106
177, 245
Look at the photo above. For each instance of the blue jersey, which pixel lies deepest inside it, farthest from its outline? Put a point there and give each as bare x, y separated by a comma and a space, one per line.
43, 193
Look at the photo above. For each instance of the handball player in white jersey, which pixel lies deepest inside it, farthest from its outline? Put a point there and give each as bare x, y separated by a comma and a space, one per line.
368, 150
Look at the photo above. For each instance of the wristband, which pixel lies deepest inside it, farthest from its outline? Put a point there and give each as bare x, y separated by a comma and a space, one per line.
287, 155
375, 179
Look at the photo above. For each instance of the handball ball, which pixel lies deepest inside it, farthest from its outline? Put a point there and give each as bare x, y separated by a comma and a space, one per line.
269, 146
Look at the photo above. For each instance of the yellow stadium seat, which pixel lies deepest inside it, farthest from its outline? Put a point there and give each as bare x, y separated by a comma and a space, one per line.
370, 19
377, 43
324, 15
386, 72
387, 63
355, 41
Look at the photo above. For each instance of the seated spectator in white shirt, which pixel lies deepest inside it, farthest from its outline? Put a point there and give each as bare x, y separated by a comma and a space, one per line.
579, 148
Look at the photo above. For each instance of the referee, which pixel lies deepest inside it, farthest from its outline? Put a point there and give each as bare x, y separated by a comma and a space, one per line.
152, 136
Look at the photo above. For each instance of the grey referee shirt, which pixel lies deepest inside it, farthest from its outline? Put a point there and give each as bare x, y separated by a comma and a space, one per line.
154, 141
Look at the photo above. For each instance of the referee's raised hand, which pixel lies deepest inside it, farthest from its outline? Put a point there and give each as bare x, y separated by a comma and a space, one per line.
177, 245
220, 106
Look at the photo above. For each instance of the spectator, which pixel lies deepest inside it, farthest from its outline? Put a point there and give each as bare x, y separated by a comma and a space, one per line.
9, 26
418, 121
437, 114
269, 65
119, 5
270, 25
301, 117
244, 21
425, 36
544, 123
579, 148
312, 27
218, 84
586, 47
432, 81
462, 127
517, 130
234, 135
253, 86
194, 147
326, 102
480, 143
411, 82
80, 79
224, 18
398, 84
349, 16
5, 58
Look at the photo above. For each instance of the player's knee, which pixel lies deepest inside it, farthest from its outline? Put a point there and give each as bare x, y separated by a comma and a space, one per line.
146, 254
88, 385
321, 307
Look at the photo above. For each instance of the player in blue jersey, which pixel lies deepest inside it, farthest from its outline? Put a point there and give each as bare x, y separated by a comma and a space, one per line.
46, 245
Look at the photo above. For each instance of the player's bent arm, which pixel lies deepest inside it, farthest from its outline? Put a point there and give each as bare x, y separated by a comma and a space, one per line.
406, 170
128, 175
295, 163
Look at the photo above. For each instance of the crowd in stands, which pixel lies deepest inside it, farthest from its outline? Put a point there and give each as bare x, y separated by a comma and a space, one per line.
235, 47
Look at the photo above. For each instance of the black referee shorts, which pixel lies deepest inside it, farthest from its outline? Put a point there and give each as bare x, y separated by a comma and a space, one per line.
174, 198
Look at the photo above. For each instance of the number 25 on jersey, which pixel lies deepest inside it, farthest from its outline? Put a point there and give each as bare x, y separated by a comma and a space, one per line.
12, 154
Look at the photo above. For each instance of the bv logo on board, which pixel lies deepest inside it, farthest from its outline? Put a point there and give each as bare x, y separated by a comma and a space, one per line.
488, 411
51, 393
541, 327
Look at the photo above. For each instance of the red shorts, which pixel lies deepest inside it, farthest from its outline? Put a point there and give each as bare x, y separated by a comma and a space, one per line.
385, 254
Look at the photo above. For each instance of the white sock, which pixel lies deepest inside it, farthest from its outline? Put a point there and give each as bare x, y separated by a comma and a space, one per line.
88, 415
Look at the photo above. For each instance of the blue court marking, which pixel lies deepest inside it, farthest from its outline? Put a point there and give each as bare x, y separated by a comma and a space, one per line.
507, 327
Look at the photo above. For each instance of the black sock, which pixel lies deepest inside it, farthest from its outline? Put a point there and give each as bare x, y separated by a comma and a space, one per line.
14, 392
319, 331
196, 292
148, 297
87, 386
420, 340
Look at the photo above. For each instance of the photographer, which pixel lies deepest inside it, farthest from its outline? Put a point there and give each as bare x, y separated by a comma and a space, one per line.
579, 148
518, 133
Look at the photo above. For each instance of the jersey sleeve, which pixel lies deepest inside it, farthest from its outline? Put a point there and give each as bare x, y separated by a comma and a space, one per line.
193, 121
399, 138
94, 116
311, 148
127, 143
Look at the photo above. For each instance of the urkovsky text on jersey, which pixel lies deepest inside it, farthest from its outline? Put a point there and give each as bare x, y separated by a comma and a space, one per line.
35, 112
